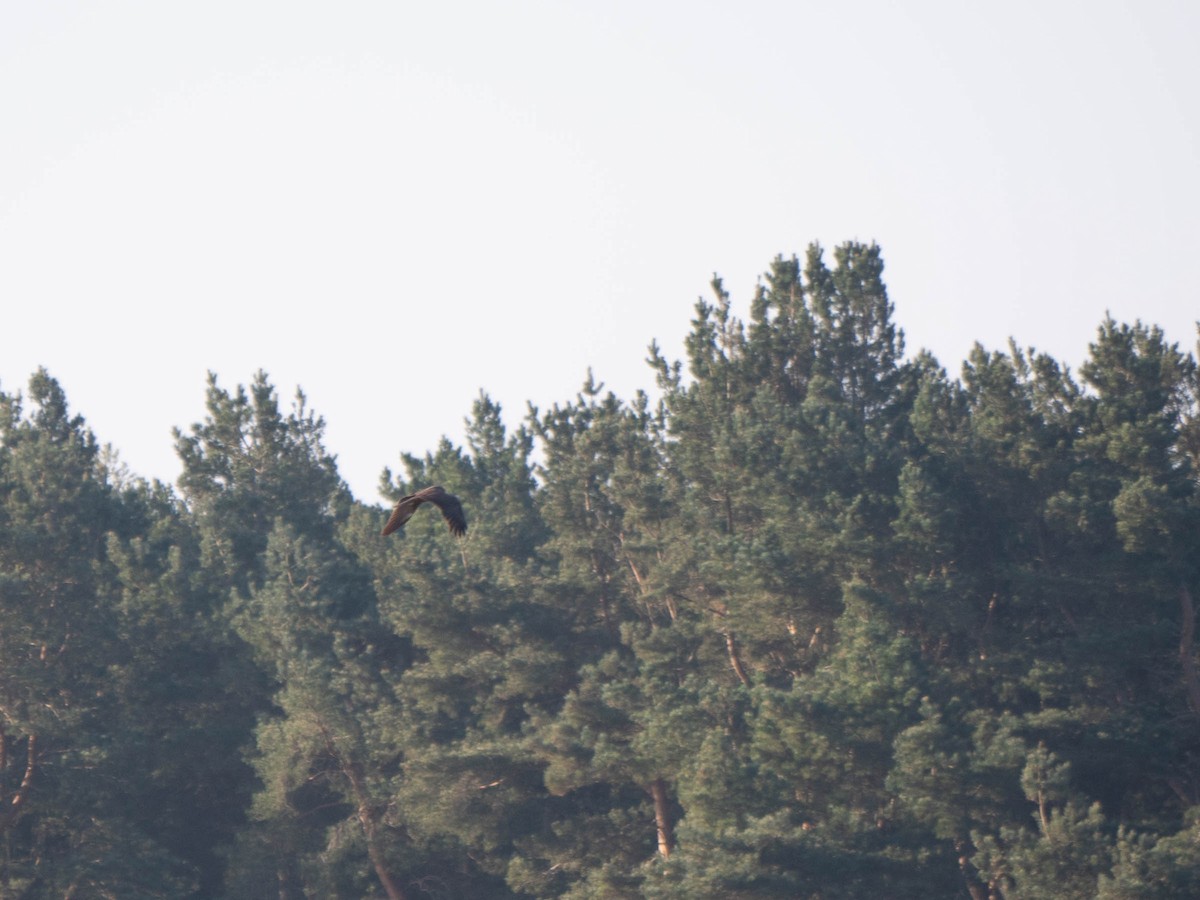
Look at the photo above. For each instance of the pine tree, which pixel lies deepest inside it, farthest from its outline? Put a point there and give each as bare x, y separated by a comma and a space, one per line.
60, 761
183, 691
246, 465
483, 656
253, 476
323, 763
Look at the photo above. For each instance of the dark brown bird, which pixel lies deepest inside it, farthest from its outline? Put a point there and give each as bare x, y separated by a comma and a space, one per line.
450, 506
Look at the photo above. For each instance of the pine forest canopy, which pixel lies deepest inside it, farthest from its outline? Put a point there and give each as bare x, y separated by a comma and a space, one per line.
819, 621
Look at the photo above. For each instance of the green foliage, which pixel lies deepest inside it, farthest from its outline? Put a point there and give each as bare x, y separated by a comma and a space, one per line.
247, 465
818, 621
74, 754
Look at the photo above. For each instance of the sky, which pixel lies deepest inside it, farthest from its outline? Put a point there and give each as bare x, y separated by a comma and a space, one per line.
395, 205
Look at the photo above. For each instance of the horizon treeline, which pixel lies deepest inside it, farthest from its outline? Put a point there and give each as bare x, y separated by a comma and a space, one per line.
820, 620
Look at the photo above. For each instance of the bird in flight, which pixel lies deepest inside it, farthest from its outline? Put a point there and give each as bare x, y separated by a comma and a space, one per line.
450, 506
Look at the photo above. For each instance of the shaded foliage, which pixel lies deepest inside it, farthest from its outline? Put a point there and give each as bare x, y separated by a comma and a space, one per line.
820, 620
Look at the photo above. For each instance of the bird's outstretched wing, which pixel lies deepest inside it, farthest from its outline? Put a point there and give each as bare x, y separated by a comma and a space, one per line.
450, 506
452, 511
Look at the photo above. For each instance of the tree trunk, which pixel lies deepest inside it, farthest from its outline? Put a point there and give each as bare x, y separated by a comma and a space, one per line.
662, 820
974, 888
366, 817
9, 815
734, 660
1187, 648
377, 861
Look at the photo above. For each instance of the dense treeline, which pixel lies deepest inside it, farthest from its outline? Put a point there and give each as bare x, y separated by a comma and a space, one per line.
820, 622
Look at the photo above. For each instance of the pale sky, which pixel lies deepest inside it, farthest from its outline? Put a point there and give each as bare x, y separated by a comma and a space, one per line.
395, 205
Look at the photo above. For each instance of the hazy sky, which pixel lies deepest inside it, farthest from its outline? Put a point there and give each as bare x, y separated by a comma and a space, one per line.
395, 205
